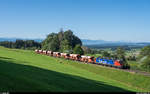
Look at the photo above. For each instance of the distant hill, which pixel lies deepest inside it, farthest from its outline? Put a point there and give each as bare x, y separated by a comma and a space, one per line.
101, 44
91, 42
84, 41
7, 39
112, 43
14, 39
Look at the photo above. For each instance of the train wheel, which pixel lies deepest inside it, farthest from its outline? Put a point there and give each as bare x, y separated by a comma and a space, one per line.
119, 67
115, 66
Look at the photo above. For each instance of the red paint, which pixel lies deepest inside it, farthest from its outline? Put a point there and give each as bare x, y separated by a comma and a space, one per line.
117, 63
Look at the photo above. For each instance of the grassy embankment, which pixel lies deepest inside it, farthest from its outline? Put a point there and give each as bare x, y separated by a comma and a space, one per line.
26, 71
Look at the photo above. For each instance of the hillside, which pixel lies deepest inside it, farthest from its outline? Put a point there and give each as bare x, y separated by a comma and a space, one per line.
25, 71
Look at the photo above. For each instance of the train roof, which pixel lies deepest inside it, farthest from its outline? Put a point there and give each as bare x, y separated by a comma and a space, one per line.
74, 54
86, 56
56, 52
63, 53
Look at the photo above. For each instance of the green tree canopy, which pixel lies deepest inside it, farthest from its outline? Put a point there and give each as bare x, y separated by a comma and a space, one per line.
61, 41
78, 50
51, 42
120, 53
86, 50
21, 44
145, 51
105, 54
145, 58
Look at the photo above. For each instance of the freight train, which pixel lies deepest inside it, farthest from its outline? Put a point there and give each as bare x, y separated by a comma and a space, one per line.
88, 59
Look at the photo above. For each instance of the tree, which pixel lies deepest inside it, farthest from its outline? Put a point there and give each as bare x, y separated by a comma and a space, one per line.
145, 58
120, 53
132, 58
114, 56
76, 41
86, 50
105, 54
61, 38
62, 41
145, 51
73, 40
51, 42
78, 50
21, 44
66, 47
146, 63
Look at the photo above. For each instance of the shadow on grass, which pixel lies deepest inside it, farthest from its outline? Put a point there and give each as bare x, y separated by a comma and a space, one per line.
24, 78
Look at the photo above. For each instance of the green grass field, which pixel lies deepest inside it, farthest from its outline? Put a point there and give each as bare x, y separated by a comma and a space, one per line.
25, 71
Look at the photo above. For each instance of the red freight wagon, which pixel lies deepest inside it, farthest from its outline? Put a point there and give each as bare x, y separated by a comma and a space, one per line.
90, 59
37, 51
56, 54
84, 58
75, 57
64, 55
49, 53
40, 51
44, 52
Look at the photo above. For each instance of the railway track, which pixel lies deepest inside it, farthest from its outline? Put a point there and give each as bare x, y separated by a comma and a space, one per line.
126, 70
137, 71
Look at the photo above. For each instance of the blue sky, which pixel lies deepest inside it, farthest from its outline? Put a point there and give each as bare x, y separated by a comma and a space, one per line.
112, 20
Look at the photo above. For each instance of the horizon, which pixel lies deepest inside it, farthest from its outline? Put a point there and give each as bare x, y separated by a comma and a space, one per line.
81, 39
108, 20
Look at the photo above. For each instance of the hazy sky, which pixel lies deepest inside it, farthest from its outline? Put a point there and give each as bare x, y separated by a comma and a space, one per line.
113, 20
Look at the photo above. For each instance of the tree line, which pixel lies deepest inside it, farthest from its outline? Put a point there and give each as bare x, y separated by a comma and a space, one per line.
21, 44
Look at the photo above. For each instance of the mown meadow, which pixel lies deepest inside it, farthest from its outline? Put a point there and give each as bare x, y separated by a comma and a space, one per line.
26, 71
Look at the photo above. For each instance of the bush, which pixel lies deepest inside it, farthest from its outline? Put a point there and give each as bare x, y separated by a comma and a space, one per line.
105, 54
146, 64
145, 51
